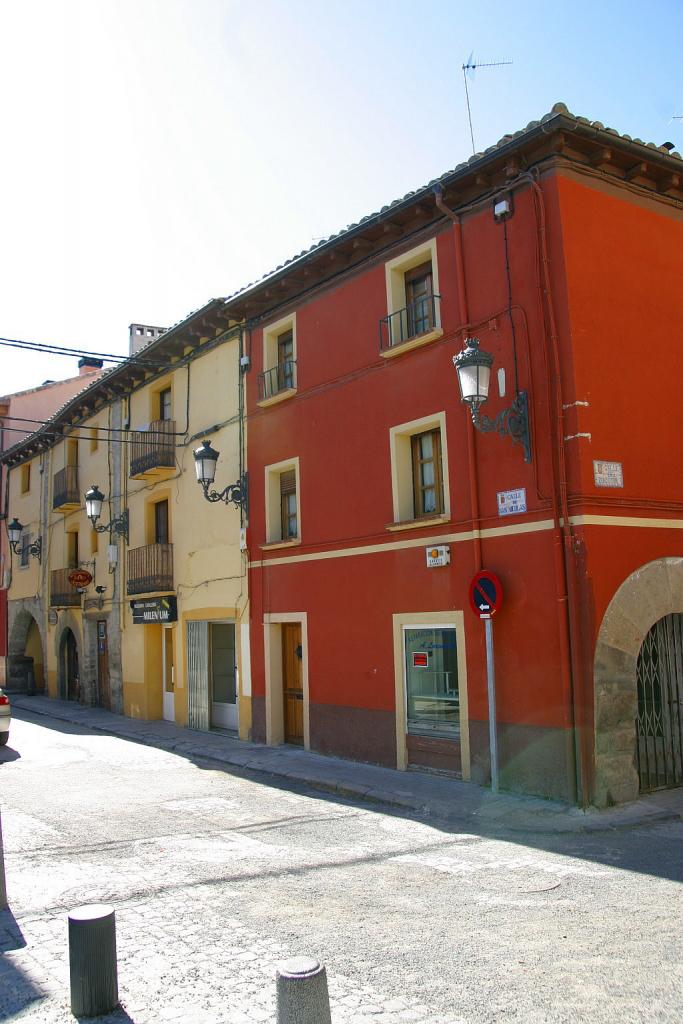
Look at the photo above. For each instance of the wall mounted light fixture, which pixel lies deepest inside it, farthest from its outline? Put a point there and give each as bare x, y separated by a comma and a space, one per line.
14, 532
205, 459
94, 499
474, 374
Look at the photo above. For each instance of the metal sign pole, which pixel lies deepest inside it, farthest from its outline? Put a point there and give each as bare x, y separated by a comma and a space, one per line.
491, 686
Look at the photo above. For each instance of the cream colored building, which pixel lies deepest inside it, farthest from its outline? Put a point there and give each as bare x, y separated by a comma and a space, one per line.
161, 628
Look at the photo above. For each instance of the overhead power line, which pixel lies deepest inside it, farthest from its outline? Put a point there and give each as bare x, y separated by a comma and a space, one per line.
112, 440
64, 350
108, 430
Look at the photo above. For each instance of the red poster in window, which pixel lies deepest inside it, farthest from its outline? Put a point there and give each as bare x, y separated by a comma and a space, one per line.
420, 659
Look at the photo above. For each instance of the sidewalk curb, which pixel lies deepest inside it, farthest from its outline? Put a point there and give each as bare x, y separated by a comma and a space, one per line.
551, 822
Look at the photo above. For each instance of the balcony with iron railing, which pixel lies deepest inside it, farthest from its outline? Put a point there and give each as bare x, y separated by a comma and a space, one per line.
152, 451
65, 493
62, 594
150, 569
416, 322
278, 382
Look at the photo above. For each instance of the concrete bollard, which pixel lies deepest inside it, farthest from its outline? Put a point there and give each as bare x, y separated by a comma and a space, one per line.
302, 996
92, 960
3, 884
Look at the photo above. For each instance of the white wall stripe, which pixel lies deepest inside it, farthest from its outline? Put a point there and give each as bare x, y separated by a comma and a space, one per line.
399, 545
637, 521
513, 529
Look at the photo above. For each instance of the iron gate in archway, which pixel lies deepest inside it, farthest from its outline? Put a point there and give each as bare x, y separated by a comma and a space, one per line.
660, 694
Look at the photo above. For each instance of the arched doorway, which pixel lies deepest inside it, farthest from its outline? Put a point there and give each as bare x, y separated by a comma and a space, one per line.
659, 671
34, 649
25, 658
630, 676
69, 670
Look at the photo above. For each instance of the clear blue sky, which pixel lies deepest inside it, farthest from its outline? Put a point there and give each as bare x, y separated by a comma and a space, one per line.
161, 152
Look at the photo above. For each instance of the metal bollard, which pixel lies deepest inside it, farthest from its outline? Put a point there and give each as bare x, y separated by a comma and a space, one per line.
3, 884
92, 960
302, 996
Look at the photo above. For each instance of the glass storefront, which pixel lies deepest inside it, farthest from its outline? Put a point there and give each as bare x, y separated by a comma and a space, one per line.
431, 667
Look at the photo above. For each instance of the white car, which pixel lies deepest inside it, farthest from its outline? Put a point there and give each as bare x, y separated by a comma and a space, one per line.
5, 717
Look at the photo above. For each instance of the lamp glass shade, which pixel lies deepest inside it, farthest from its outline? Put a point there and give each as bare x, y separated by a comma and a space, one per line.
205, 459
14, 531
474, 372
94, 499
474, 383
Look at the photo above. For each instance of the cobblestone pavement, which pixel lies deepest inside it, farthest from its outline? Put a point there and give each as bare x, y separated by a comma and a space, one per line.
216, 876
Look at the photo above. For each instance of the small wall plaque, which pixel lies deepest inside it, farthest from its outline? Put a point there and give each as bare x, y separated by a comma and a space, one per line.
608, 474
512, 503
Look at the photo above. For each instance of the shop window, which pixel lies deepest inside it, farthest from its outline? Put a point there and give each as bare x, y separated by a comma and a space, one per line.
413, 300
278, 380
283, 504
419, 471
431, 675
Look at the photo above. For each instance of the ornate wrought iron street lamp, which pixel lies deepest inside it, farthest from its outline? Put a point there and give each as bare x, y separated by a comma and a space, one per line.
205, 459
14, 532
94, 499
474, 374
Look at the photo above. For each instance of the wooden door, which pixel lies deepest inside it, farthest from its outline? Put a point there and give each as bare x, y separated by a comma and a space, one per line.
73, 685
103, 665
292, 683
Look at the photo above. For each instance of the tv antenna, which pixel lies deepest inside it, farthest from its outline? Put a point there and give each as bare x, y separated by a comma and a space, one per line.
470, 66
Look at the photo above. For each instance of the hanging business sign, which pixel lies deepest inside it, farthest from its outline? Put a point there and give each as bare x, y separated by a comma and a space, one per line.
486, 594
154, 609
79, 578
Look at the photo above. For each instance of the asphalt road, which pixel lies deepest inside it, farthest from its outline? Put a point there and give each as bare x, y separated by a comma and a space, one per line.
217, 875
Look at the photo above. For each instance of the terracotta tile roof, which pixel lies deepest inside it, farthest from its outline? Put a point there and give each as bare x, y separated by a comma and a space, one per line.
558, 112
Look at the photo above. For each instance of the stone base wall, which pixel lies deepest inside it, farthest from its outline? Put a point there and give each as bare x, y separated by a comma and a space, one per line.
650, 593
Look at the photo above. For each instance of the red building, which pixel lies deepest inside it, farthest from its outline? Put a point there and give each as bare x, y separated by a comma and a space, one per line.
561, 250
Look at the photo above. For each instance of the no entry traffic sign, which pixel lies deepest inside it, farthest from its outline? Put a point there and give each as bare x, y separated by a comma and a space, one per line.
486, 594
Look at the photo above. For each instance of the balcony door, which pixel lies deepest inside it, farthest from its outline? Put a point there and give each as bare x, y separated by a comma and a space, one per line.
223, 675
161, 530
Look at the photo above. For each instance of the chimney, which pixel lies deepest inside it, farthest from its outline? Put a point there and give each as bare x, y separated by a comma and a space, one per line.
87, 364
141, 335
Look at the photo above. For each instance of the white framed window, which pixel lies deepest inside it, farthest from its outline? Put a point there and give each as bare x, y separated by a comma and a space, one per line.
283, 502
278, 380
413, 300
419, 471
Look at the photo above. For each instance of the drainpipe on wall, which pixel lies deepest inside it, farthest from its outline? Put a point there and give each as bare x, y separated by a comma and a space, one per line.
465, 317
